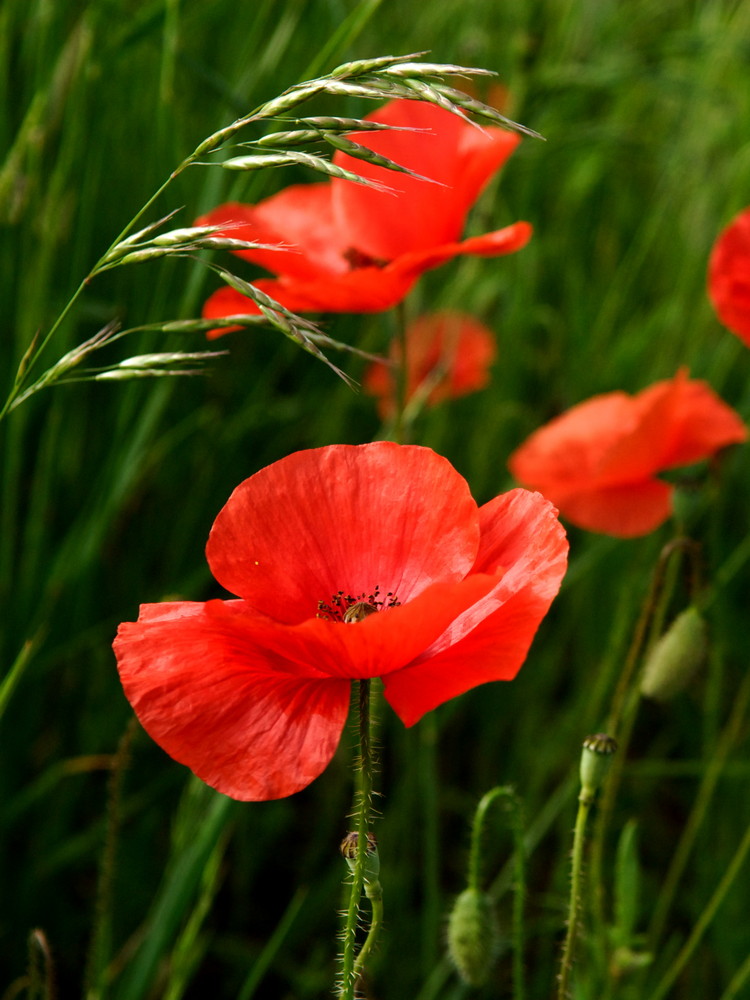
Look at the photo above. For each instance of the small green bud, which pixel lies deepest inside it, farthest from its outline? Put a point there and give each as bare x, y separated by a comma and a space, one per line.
675, 658
596, 758
473, 936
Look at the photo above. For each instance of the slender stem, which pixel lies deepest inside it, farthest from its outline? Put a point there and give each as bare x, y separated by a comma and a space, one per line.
430, 839
374, 893
100, 939
621, 719
739, 979
352, 970
681, 854
670, 976
474, 880
399, 427
576, 881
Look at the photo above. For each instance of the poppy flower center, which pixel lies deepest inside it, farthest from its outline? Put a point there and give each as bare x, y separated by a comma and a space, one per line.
357, 259
346, 609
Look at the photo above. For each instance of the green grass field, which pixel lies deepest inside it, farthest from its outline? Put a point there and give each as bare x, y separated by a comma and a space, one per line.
108, 492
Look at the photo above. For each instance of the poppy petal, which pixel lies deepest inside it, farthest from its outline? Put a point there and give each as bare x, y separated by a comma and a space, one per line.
598, 461
625, 511
449, 351
250, 732
344, 518
479, 160
706, 424
566, 454
256, 708
524, 546
416, 214
299, 219
729, 276
363, 289
493, 651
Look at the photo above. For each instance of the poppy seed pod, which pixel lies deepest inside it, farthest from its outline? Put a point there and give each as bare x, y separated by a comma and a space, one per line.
473, 936
676, 657
596, 758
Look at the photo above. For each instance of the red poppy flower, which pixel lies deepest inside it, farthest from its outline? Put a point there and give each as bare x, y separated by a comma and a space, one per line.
344, 247
729, 276
253, 694
598, 462
448, 354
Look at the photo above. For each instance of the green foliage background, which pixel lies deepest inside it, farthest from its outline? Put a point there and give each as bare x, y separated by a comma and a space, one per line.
108, 491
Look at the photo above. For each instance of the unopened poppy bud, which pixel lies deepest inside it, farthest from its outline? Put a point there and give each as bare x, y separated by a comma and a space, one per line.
676, 657
596, 758
473, 936
372, 859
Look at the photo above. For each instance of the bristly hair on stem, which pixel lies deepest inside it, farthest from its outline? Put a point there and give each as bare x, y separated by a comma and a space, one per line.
380, 78
361, 855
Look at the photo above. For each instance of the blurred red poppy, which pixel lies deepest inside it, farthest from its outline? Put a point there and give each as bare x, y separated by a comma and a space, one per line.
598, 462
351, 562
729, 276
345, 247
448, 354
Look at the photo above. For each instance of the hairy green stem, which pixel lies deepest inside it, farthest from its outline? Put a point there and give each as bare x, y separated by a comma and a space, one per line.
622, 715
352, 969
474, 879
585, 801
100, 939
374, 893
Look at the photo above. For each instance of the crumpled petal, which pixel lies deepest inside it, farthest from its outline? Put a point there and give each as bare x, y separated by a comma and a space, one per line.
200, 690
332, 519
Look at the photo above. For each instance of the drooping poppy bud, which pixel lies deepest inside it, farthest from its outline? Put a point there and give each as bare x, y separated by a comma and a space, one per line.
473, 936
676, 657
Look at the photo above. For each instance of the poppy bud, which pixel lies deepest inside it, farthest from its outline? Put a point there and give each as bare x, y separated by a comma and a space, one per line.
473, 936
676, 657
348, 850
596, 758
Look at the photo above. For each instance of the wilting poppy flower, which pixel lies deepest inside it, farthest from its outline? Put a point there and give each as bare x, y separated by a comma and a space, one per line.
351, 562
729, 276
345, 247
599, 461
448, 354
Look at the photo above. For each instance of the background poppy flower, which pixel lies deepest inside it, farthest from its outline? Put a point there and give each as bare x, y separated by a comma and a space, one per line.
345, 247
253, 694
598, 462
729, 276
448, 354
